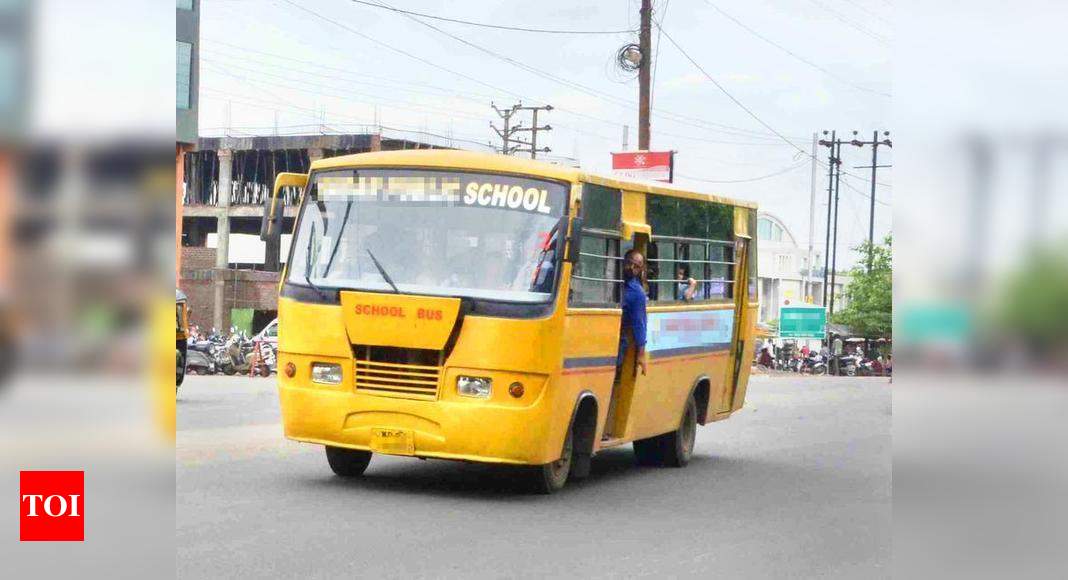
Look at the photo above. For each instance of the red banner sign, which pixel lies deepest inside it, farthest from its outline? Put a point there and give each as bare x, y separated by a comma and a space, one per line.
648, 165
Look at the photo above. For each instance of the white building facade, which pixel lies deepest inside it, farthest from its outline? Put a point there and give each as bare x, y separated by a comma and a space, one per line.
783, 270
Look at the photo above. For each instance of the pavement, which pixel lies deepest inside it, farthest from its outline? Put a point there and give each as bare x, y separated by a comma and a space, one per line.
796, 484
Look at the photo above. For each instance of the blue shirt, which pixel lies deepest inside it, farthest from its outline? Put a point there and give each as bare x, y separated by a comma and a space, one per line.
633, 304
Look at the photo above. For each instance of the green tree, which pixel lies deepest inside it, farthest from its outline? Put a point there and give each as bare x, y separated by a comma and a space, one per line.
1033, 303
869, 312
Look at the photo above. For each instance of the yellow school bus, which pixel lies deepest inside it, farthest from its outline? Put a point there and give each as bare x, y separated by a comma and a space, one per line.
465, 306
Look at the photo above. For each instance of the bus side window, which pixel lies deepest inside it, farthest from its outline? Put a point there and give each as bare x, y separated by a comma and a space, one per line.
696, 237
597, 277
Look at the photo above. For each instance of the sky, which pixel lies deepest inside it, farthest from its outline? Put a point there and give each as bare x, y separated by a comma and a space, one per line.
787, 69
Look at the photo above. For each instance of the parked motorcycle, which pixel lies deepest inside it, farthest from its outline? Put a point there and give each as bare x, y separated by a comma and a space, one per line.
198, 362
872, 368
268, 357
846, 365
814, 365
236, 356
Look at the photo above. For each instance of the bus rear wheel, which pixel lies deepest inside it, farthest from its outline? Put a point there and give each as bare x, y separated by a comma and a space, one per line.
678, 445
347, 462
672, 449
551, 477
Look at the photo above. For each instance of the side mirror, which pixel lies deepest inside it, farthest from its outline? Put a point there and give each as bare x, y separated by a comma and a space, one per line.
273, 212
574, 241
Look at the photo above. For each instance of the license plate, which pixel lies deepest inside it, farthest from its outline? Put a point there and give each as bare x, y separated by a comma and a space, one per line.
392, 441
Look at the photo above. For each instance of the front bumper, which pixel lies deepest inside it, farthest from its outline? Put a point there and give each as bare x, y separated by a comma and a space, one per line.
447, 429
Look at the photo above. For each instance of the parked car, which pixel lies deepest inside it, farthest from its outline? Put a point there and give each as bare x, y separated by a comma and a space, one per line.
269, 334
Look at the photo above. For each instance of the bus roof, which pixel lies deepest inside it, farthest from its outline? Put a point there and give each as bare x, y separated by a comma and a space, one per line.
456, 159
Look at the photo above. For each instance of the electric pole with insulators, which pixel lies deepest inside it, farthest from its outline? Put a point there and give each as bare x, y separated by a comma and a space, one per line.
875, 143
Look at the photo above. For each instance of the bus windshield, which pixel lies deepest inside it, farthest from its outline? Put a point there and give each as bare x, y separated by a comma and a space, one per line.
446, 233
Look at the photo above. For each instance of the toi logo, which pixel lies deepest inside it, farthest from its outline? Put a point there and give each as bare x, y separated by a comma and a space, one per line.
51, 506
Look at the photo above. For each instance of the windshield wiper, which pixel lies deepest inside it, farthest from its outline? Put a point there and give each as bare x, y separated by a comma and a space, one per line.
337, 243
312, 285
382, 271
308, 264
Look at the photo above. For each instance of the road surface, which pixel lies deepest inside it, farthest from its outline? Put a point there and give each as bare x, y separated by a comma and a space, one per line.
798, 483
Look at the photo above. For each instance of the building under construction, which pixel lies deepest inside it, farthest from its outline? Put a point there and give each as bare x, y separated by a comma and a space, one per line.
229, 275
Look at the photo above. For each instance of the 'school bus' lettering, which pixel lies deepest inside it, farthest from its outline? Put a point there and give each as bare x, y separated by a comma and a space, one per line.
397, 312
511, 197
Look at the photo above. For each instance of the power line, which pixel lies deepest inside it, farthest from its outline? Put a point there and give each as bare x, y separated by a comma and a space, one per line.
578, 86
302, 87
473, 97
303, 84
868, 12
749, 111
727, 93
849, 22
398, 50
485, 25
282, 105
864, 193
795, 55
751, 179
312, 66
656, 54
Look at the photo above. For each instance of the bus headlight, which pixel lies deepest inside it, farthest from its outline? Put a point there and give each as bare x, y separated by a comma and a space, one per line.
474, 386
327, 373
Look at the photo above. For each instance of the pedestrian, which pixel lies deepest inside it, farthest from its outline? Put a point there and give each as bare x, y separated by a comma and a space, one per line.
633, 323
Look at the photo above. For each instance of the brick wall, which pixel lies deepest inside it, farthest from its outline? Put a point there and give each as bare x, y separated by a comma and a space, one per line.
198, 258
242, 289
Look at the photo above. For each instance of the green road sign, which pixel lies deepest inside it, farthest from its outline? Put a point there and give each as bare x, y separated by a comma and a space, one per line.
802, 322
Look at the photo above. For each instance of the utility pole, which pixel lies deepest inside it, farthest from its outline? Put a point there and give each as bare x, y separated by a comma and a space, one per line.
645, 48
834, 175
834, 240
811, 220
875, 143
831, 164
508, 131
532, 147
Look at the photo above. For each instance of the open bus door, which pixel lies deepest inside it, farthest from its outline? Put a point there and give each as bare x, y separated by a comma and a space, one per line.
741, 323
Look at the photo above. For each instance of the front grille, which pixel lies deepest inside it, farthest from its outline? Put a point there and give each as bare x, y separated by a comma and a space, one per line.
398, 372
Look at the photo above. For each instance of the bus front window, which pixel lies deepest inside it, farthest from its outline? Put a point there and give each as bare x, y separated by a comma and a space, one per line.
445, 233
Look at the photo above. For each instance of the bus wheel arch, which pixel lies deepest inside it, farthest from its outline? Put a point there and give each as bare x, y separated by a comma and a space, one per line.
701, 391
584, 430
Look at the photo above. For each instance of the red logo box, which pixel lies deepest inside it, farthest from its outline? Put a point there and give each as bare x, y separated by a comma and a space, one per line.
51, 506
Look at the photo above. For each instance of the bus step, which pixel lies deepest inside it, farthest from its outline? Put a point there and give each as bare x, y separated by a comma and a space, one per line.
611, 442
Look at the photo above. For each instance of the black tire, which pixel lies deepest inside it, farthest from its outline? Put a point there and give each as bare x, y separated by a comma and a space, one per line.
678, 445
229, 370
648, 452
672, 449
551, 477
347, 462
179, 362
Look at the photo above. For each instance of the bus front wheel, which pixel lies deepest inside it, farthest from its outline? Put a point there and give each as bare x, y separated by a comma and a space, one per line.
347, 462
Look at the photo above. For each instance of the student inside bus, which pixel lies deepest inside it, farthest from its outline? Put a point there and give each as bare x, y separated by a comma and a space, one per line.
685, 286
